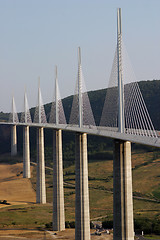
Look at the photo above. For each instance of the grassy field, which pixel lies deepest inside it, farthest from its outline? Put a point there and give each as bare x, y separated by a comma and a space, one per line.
152, 237
146, 189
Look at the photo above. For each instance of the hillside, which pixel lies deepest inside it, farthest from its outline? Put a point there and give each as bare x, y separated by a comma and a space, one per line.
11, 182
150, 91
151, 94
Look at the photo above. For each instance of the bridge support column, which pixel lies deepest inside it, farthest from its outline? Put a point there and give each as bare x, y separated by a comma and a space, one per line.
82, 216
13, 140
58, 192
26, 153
40, 188
122, 185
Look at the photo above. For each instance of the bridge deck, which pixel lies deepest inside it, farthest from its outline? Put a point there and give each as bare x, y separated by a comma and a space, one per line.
98, 131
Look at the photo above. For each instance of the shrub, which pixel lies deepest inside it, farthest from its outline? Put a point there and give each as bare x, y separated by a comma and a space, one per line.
72, 224
91, 225
144, 225
48, 225
67, 225
107, 224
156, 227
147, 225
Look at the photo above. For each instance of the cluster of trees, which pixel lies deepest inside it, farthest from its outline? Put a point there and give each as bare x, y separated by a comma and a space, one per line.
68, 224
4, 202
148, 226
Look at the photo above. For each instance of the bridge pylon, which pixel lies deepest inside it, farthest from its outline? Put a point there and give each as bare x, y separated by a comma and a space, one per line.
40, 116
81, 112
57, 115
121, 122
26, 118
122, 170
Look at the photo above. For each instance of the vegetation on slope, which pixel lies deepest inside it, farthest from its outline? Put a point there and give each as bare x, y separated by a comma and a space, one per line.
146, 191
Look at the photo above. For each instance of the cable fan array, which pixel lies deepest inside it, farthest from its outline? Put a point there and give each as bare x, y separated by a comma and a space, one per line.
81, 104
136, 116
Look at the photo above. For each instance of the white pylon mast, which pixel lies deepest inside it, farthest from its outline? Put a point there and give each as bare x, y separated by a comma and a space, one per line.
121, 123
80, 88
56, 95
13, 109
25, 107
39, 101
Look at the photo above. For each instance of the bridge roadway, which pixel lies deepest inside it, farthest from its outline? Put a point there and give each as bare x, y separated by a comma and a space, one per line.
96, 130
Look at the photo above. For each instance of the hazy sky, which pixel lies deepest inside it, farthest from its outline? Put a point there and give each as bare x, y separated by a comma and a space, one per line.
36, 35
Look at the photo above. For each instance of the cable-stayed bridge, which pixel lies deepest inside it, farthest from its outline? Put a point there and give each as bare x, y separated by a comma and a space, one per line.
137, 124
124, 118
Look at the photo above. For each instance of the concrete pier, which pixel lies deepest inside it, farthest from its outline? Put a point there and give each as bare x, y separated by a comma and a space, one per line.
58, 192
40, 188
26, 153
13, 140
122, 185
82, 216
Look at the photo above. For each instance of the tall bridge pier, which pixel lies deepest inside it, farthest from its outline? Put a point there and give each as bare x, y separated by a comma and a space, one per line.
58, 191
14, 120
122, 188
82, 216
40, 186
26, 153
13, 140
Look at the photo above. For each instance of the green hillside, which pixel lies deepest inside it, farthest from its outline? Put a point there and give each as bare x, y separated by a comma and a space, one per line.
150, 91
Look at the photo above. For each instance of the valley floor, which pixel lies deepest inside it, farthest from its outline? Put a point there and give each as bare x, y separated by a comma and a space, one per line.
23, 212
47, 235
18, 191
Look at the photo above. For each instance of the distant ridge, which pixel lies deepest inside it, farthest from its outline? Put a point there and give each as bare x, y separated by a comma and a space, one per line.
150, 90
151, 94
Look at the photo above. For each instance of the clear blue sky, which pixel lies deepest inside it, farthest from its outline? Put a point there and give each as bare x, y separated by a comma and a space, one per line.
36, 35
